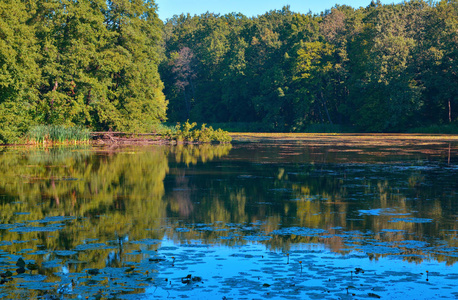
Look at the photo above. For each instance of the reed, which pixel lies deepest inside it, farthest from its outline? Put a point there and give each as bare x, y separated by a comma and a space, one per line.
58, 134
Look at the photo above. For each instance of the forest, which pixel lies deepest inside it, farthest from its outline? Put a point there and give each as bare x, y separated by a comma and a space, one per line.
114, 65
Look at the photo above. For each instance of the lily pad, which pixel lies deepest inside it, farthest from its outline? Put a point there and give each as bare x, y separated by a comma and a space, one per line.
146, 242
65, 252
411, 220
36, 229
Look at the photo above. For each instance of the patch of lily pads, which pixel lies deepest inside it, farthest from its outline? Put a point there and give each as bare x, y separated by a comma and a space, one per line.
219, 272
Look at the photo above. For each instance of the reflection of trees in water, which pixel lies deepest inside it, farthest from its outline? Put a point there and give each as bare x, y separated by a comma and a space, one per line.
118, 194
115, 257
192, 154
180, 198
112, 195
321, 201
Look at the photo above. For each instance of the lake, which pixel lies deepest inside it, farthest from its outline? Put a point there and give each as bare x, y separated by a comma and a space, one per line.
272, 216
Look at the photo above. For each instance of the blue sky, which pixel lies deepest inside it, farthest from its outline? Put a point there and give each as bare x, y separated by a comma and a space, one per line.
168, 8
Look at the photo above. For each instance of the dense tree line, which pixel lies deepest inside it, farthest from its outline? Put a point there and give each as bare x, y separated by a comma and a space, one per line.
378, 68
89, 62
96, 63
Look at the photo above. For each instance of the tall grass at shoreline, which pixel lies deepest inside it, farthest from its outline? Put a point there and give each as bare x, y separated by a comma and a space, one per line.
58, 134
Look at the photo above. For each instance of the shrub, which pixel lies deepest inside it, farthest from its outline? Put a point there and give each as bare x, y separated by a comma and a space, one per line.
188, 132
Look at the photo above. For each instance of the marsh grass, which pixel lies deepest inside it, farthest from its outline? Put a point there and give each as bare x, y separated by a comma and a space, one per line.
58, 134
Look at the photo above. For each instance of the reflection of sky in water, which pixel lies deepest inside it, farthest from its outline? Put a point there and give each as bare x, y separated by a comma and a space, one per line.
252, 271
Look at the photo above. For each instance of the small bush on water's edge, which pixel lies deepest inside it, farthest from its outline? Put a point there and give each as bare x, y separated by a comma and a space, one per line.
58, 134
187, 132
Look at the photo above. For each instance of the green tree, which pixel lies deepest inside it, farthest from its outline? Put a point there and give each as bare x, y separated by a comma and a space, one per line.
384, 92
19, 72
312, 67
136, 88
379, 68
439, 64
71, 36
88, 62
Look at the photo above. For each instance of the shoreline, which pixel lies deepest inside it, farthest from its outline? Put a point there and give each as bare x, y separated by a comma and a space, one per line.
144, 139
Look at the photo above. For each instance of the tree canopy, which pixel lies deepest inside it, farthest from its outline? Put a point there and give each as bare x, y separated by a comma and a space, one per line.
88, 62
382, 68
114, 65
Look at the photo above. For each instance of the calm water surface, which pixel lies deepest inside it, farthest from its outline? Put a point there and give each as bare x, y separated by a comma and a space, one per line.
269, 219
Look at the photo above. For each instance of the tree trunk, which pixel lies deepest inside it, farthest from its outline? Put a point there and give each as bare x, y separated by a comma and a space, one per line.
449, 111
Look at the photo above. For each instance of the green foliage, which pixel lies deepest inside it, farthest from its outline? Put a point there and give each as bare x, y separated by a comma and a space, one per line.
14, 121
58, 134
187, 132
383, 68
96, 64
19, 72
447, 129
91, 63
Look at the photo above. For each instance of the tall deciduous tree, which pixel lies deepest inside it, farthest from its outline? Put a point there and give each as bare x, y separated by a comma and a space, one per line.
440, 64
19, 72
87, 62
136, 88
385, 93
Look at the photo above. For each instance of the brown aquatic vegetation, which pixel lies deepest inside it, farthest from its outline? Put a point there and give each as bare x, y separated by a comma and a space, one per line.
122, 138
347, 139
